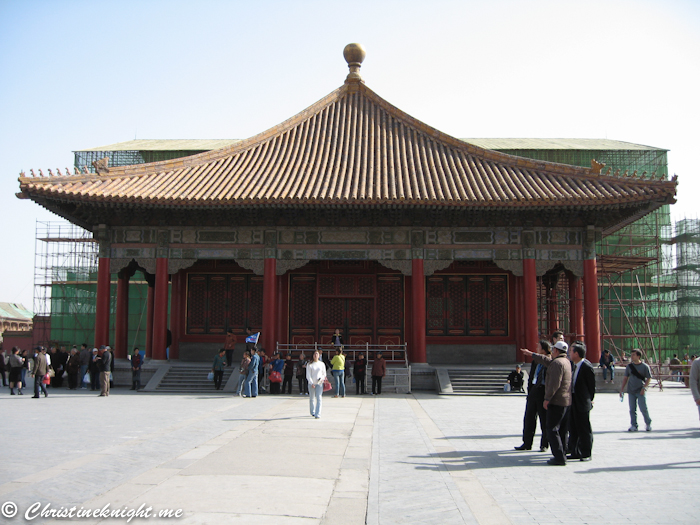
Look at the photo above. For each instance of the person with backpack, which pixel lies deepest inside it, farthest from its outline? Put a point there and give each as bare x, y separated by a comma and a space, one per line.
637, 378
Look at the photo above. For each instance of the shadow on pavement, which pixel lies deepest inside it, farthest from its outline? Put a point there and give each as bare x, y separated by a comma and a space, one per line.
640, 468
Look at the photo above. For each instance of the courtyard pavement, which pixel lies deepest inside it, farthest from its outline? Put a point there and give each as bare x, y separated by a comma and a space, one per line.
391, 459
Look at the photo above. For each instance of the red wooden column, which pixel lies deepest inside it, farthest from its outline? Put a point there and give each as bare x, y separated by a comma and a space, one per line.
102, 302
575, 307
175, 314
151, 280
121, 322
160, 309
530, 304
591, 314
418, 355
269, 330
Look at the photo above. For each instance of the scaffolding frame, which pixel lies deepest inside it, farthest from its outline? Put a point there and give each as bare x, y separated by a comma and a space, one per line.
65, 255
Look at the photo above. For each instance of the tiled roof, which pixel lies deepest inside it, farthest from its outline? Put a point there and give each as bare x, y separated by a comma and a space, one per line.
15, 311
350, 148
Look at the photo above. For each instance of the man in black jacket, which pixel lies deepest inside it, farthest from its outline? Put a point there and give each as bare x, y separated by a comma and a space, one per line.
533, 406
582, 394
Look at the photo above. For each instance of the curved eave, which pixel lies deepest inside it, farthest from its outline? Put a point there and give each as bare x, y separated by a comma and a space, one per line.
660, 199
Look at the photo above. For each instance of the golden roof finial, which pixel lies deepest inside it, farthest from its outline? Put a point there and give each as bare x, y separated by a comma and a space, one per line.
354, 55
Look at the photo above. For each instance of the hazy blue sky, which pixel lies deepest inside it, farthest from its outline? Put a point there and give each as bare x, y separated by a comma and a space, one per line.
80, 74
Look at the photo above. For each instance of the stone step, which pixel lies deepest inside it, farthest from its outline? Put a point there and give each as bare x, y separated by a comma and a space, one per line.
479, 382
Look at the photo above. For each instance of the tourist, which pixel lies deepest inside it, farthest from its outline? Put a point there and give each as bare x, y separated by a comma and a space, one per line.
348, 369
104, 364
516, 380
337, 339
637, 379
136, 364
25, 368
315, 375
16, 364
242, 372
218, 368
263, 365
534, 405
94, 371
557, 398
3, 364
251, 383
85, 358
557, 336
276, 370
676, 369
607, 363
229, 346
59, 366
359, 370
582, 394
41, 371
338, 364
73, 368
301, 375
378, 373
695, 382
288, 374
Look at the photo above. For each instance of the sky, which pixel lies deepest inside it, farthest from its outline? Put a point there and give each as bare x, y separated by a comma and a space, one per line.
81, 74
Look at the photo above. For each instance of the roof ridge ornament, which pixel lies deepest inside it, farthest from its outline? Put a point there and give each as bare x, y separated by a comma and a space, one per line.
354, 55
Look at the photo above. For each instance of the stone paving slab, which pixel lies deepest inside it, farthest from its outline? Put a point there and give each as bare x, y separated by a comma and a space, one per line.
390, 459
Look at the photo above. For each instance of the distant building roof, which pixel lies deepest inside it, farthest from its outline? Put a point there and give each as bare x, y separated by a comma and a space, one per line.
15, 311
486, 143
167, 145
563, 144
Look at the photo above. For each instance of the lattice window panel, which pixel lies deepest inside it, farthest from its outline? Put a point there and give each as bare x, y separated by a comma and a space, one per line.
217, 304
346, 285
197, 304
389, 304
237, 298
476, 314
361, 312
303, 312
331, 312
456, 305
326, 285
469, 305
498, 311
365, 286
255, 305
435, 305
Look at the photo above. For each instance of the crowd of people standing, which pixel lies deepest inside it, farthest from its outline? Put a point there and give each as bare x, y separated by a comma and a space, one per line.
257, 372
49, 367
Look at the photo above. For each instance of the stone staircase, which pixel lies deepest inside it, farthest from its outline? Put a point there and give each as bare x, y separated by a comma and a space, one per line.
191, 378
475, 380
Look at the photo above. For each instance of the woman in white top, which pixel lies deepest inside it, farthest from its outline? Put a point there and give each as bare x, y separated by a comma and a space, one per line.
315, 375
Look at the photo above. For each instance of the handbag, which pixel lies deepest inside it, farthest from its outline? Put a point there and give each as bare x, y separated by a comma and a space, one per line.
275, 377
46, 379
326, 385
51, 373
210, 376
86, 377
